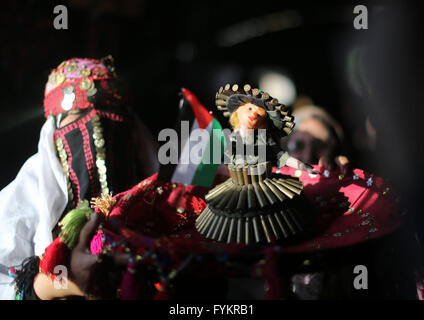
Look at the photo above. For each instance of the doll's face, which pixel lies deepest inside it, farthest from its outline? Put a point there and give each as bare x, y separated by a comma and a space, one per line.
251, 116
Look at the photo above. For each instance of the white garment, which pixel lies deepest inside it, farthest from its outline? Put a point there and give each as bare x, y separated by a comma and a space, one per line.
30, 207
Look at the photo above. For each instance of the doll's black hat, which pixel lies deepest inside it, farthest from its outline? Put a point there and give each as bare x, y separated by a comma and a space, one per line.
236, 100
229, 98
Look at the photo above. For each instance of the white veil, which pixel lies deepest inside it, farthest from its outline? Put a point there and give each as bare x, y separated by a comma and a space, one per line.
30, 207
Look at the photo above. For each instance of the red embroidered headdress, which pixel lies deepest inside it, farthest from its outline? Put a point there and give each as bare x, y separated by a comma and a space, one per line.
78, 84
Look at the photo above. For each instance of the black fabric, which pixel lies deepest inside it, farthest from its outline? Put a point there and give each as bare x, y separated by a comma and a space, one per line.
79, 166
123, 169
272, 149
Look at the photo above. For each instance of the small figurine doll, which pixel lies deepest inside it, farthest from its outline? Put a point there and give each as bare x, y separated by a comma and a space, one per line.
255, 205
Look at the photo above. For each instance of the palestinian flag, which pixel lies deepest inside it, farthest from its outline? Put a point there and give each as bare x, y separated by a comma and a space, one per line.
201, 144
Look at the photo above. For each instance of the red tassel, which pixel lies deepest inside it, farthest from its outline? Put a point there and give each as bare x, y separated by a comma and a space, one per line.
57, 253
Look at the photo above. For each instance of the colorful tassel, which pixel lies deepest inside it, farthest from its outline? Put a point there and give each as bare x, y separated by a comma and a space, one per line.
96, 244
24, 277
57, 253
103, 204
73, 222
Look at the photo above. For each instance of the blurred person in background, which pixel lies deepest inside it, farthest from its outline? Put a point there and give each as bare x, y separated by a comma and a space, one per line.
317, 137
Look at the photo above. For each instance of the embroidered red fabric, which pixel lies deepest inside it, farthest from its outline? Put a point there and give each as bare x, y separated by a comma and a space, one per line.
86, 82
351, 209
158, 218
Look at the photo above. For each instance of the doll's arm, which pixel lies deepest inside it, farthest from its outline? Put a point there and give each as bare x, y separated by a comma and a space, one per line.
297, 164
45, 290
82, 265
282, 158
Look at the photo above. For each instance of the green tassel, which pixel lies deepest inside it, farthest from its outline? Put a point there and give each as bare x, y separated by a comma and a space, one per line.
73, 222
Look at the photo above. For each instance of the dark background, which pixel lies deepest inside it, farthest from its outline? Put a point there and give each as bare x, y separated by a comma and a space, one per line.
161, 46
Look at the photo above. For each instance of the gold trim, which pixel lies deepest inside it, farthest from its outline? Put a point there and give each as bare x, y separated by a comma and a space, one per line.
65, 167
99, 144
